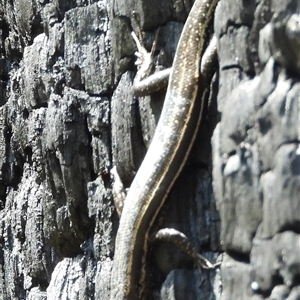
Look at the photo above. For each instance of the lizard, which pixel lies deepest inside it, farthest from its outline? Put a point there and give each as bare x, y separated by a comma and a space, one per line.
165, 158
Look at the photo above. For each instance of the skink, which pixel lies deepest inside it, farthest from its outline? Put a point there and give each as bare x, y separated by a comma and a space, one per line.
165, 158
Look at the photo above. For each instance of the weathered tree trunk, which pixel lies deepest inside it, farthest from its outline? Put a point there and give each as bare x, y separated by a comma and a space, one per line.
67, 114
256, 148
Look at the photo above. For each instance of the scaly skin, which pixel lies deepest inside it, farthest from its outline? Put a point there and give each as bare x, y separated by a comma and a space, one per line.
165, 158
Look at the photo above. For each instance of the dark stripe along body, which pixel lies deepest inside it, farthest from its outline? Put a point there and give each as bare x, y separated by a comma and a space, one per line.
165, 158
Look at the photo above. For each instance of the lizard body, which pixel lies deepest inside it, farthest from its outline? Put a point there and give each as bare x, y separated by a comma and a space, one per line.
165, 158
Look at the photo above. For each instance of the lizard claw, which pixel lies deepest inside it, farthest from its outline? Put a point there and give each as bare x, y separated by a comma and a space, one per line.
144, 58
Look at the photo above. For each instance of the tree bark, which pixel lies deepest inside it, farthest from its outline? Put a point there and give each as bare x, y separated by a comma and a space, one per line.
67, 114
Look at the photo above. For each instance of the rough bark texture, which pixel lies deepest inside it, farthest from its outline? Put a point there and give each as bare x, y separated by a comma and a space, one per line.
256, 148
67, 114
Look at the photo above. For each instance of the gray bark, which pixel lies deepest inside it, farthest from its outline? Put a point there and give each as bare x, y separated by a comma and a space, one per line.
255, 148
67, 114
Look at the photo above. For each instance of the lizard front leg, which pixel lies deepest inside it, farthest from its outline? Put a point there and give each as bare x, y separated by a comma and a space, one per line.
146, 85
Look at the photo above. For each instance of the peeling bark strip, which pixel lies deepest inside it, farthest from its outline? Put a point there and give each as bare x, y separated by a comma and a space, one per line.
165, 158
